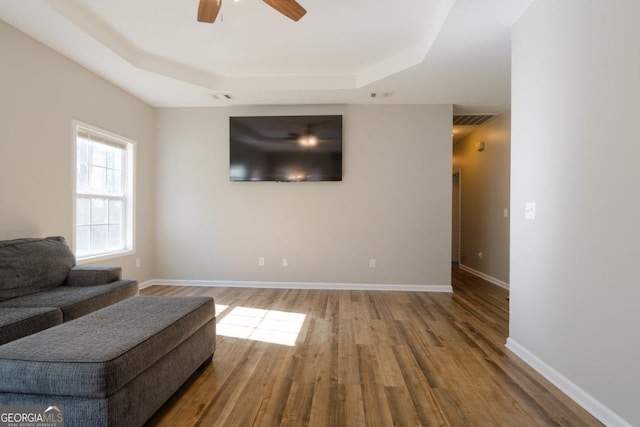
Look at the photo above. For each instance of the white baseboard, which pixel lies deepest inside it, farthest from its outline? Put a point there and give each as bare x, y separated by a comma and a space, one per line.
300, 285
484, 276
581, 397
145, 284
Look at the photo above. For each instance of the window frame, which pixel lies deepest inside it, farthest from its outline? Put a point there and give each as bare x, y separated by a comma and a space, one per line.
129, 146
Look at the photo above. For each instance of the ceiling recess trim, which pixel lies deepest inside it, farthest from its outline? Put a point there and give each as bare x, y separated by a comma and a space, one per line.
411, 56
89, 23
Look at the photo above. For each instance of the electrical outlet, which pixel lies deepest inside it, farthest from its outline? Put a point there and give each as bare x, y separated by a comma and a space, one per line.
480, 255
530, 210
372, 263
261, 261
285, 262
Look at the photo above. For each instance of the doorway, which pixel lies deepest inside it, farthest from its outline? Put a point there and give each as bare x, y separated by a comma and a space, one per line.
455, 220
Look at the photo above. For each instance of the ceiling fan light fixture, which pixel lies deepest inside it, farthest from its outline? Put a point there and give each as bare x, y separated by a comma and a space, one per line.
308, 140
312, 141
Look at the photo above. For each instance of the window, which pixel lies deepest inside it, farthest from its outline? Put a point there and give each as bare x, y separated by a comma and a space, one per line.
103, 193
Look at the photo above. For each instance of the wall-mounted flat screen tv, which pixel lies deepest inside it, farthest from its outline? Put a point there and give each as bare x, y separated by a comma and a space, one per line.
285, 148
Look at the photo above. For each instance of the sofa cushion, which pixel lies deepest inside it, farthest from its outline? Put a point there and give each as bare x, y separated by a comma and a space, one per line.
76, 301
89, 275
19, 322
100, 353
28, 266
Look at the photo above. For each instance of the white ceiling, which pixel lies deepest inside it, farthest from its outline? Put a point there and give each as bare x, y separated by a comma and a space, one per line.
407, 51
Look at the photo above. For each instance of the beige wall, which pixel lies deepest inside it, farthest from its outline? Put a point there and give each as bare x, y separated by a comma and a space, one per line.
41, 93
394, 203
484, 195
575, 150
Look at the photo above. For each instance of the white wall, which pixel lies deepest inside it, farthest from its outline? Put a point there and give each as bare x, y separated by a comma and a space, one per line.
41, 92
484, 186
575, 150
394, 203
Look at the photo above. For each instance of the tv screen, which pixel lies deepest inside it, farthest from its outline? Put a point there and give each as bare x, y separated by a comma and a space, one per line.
285, 148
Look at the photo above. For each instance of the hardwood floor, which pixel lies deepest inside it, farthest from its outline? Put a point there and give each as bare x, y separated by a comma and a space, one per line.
365, 359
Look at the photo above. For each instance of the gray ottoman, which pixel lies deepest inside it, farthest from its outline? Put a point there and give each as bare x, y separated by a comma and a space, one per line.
113, 367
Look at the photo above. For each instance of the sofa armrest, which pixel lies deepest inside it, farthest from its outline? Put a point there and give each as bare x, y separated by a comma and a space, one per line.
90, 275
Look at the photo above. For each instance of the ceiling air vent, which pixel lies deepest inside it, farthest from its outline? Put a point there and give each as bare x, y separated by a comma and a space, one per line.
471, 119
220, 96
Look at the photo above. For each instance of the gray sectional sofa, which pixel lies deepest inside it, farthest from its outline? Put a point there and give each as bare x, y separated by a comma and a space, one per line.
71, 338
40, 286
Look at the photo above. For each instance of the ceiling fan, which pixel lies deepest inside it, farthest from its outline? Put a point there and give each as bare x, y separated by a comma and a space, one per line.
208, 9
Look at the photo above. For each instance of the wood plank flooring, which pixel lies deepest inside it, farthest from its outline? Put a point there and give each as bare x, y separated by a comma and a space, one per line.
366, 359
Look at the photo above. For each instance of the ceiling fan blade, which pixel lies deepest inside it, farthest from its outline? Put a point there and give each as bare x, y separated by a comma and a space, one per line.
208, 10
289, 8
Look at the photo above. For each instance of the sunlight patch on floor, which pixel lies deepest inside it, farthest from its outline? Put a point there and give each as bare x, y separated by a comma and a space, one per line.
272, 326
220, 308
